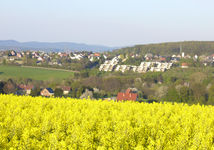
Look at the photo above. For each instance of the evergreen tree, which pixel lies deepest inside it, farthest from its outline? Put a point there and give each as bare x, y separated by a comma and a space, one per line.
35, 92
211, 95
172, 95
58, 92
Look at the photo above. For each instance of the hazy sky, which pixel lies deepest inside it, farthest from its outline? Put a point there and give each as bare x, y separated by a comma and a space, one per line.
107, 22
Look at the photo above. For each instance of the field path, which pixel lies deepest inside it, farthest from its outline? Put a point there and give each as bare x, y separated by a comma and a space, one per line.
55, 69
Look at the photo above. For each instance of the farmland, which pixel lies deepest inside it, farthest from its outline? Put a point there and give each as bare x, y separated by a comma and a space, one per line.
17, 72
59, 123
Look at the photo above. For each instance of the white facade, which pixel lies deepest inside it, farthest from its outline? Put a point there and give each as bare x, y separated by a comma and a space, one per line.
111, 65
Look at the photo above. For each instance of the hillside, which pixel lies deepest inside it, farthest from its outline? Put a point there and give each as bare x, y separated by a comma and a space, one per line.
47, 46
189, 47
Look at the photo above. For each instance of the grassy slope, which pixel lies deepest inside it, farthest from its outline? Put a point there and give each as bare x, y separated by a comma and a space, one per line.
33, 73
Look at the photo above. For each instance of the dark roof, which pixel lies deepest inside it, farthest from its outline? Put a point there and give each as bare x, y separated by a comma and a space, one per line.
50, 90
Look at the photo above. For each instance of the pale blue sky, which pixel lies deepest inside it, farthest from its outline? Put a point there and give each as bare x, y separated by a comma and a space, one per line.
107, 22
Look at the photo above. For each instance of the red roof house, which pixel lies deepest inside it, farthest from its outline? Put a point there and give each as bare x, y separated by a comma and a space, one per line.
26, 88
162, 59
184, 65
96, 54
127, 96
66, 89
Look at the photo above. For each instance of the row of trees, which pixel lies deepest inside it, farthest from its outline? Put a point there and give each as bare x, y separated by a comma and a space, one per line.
194, 85
11, 87
197, 93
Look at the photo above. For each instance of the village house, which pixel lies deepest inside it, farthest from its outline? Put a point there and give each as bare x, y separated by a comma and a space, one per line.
129, 95
66, 90
40, 59
162, 59
38, 63
26, 88
105, 57
12, 53
96, 54
35, 55
76, 56
149, 56
109, 65
47, 92
187, 57
178, 56
11, 58
175, 59
19, 55
63, 54
184, 65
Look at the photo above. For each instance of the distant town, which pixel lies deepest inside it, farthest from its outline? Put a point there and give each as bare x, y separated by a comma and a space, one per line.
101, 62
104, 61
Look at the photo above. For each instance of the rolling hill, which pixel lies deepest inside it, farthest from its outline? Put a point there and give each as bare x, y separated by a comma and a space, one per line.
47, 46
189, 47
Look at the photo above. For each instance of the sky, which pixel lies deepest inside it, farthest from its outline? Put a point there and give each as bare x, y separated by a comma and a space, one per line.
107, 22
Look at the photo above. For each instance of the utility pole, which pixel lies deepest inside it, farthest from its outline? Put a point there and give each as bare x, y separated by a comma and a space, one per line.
180, 48
182, 53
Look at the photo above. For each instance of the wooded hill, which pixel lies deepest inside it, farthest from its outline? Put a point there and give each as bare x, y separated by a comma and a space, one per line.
166, 49
51, 46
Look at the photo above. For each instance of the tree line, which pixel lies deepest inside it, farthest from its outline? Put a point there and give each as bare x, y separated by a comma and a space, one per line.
191, 47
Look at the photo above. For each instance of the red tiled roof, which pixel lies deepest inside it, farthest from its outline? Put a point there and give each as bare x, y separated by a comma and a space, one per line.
96, 54
162, 59
21, 86
29, 87
127, 96
128, 91
25, 87
184, 64
66, 88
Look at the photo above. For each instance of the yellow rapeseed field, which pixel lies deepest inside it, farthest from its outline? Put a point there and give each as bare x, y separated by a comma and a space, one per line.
59, 123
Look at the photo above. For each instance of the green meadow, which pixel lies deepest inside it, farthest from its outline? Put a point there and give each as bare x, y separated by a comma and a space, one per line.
17, 72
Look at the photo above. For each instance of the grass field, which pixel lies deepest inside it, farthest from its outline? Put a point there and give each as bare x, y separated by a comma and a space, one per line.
33, 73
